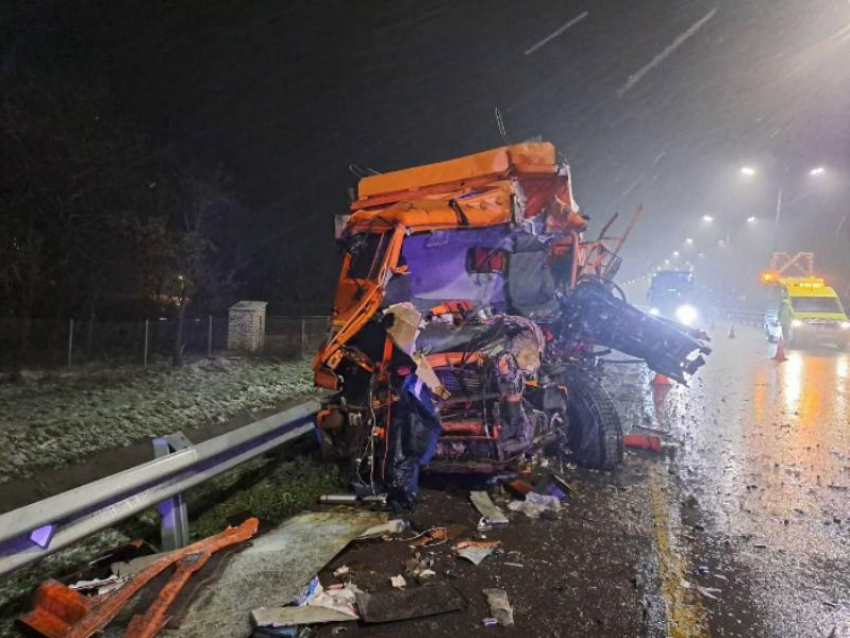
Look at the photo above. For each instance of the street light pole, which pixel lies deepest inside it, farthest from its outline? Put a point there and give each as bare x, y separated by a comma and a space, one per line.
776, 220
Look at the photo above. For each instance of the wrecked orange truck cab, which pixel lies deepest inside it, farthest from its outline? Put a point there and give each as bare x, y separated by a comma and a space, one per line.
466, 305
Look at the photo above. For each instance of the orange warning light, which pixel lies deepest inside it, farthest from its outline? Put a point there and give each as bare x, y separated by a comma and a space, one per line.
768, 278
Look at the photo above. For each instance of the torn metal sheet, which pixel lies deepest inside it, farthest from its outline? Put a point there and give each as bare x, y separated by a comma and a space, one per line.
395, 526
404, 604
272, 571
487, 508
304, 615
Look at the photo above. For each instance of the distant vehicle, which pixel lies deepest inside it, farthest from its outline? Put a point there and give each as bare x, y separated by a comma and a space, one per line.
807, 311
672, 295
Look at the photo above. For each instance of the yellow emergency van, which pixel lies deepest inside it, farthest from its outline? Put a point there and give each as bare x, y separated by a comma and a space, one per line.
810, 312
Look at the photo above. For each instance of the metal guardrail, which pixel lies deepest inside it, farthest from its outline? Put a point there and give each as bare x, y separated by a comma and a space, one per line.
32, 532
753, 318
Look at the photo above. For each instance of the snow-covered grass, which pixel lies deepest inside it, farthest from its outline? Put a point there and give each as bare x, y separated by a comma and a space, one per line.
53, 422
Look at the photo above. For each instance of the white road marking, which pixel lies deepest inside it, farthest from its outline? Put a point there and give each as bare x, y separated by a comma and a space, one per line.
556, 33
658, 59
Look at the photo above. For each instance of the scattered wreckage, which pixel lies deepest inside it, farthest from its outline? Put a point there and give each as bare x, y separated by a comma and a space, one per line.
468, 310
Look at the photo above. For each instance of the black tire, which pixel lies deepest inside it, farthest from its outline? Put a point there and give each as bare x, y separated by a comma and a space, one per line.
594, 432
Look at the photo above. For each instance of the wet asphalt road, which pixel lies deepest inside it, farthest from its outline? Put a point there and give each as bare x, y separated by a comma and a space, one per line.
762, 465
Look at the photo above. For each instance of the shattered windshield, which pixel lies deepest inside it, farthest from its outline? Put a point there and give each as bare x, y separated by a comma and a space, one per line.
367, 253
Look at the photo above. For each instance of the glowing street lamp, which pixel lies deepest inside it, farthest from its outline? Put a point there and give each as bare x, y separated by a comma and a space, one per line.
749, 171
689, 241
675, 253
707, 219
751, 219
817, 170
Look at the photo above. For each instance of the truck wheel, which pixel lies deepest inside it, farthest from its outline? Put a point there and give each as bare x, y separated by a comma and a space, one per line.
594, 433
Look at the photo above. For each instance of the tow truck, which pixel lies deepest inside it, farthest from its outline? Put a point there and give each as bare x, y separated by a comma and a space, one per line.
805, 309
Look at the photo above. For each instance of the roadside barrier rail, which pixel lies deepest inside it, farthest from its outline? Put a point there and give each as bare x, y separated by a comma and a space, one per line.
30, 533
753, 318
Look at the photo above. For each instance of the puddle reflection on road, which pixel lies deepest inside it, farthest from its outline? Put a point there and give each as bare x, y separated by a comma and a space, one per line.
765, 448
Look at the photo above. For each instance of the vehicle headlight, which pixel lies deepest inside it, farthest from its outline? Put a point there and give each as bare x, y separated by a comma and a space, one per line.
796, 323
686, 314
654, 312
845, 325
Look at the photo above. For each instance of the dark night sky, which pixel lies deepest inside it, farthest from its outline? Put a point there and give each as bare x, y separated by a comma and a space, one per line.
286, 94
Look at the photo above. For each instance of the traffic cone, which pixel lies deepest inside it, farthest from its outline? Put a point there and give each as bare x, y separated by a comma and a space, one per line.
731, 330
660, 379
779, 357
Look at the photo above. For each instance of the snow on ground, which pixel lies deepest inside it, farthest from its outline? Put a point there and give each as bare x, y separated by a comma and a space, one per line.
55, 422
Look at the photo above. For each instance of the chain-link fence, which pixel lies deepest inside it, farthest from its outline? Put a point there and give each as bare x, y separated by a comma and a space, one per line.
294, 336
54, 343
68, 343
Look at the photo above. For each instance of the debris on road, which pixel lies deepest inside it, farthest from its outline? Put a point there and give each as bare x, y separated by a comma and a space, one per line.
59, 612
475, 551
500, 608
405, 604
352, 499
294, 615
490, 512
318, 606
129, 568
537, 505
273, 569
100, 586
643, 442
429, 538
395, 526
521, 487
398, 582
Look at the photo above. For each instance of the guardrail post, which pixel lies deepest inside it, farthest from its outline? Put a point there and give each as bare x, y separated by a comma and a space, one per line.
173, 514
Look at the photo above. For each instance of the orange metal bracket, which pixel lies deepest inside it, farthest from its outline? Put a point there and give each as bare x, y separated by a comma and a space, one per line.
61, 612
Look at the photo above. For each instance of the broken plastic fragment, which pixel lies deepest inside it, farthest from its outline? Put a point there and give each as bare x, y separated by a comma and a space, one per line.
490, 512
43, 535
500, 608
476, 551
